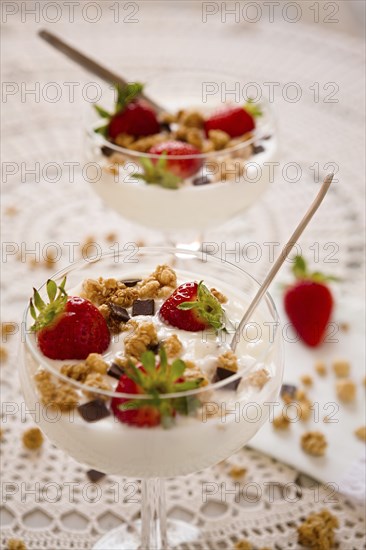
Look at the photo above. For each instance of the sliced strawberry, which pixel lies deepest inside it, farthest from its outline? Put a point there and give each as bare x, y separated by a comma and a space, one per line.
153, 379
183, 168
192, 307
233, 120
309, 303
68, 327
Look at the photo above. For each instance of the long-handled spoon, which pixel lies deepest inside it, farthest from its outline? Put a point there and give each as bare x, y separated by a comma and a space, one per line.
278, 263
89, 64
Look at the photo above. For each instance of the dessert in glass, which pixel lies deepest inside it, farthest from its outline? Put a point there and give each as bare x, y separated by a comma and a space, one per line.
133, 355
195, 166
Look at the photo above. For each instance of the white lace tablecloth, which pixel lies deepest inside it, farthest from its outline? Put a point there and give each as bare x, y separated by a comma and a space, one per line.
36, 211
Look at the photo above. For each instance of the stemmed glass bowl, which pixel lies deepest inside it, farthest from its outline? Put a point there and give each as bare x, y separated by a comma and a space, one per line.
238, 174
231, 411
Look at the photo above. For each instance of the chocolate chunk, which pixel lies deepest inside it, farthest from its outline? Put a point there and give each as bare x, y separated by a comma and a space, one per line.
256, 149
288, 389
131, 282
155, 348
165, 127
94, 475
115, 370
223, 374
143, 307
92, 411
118, 313
201, 180
106, 151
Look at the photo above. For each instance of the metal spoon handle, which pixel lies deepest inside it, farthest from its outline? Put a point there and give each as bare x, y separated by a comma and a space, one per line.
89, 64
278, 263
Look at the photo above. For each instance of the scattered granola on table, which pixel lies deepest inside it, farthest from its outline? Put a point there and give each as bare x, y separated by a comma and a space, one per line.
16, 544
320, 368
314, 443
243, 545
341, 368
317, 531
307, 380
32, 438
281, 422
360, 433
346, 390
3, 354
237, 472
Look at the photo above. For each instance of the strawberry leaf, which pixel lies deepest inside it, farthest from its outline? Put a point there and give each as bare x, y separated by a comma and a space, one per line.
148, 361
51, 289
301, 272
48, 312
177, 369
102, 112
126, 94
253, 108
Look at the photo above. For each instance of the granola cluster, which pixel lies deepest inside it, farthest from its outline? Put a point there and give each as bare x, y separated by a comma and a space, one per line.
193, 372
58, 395
341, 368
102, 291
32, 438
220, 297
94, 363
317, 531
303, 402
16, 544
314, 443
173, 346
96, 380
141, 340
360, 433
160, 284
228, 361
346, 390
258, 378
281, 422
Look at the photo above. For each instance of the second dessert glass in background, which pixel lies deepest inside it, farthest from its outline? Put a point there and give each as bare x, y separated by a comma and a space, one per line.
227, 181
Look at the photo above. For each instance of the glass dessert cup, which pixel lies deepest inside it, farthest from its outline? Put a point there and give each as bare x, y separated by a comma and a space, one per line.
237, 175
230, 411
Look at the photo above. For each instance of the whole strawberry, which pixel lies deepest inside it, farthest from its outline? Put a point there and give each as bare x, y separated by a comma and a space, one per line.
68, 327
183, 168
192, 307
132, 115
235, 121
153, 379
309, 303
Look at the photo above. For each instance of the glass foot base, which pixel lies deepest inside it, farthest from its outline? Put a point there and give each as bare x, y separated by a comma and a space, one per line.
129, 537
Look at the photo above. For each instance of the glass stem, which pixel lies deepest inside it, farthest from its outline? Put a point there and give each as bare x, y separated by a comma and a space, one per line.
153, 515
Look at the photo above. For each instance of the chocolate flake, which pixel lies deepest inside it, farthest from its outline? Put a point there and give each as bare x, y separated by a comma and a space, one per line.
118, 313
201, 180
107, 151
115, 370
288, 389
131, 282
94, 475
92, 411
223, 374
143, 307
256, 149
